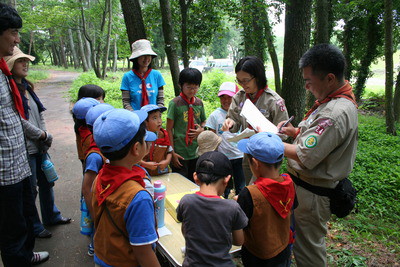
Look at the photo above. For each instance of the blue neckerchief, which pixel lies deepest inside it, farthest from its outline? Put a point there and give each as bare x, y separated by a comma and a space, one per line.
27, 87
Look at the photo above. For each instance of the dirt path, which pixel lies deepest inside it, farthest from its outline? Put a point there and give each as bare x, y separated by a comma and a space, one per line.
67, 247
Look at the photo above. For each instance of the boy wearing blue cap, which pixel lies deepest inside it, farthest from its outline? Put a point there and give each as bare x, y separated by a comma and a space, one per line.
160, 155
267, 203
211, 224
123, 210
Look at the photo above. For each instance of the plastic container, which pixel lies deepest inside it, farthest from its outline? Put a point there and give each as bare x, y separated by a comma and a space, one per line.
86, 219
49, 169
159, 201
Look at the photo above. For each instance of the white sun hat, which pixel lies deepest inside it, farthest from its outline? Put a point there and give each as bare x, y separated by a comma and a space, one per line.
140, 48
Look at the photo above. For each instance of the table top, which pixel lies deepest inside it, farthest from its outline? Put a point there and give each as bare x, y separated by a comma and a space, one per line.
171, 245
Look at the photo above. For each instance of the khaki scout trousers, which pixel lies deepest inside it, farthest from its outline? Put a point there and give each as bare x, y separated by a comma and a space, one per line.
311, 216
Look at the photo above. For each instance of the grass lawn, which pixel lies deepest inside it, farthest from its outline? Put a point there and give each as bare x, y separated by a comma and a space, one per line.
370, 236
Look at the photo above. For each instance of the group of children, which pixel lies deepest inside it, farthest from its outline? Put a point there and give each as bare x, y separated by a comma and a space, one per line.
122, 149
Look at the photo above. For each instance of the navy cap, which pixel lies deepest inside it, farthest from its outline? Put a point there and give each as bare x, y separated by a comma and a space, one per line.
266, 147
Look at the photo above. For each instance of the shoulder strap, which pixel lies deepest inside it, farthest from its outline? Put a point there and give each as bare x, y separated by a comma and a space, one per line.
113, 222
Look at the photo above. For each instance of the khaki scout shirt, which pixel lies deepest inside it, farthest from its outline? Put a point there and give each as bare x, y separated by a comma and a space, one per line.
327, 144
270, 104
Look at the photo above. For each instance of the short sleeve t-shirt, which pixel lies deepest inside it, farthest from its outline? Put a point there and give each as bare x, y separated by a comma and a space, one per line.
207, 225
132, 83
178, 112
93, 162
215, 122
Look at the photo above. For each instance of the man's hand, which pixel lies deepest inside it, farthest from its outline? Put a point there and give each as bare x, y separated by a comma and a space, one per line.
289, 129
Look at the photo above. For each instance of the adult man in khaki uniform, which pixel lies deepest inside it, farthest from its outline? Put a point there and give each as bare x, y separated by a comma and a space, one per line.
324, 147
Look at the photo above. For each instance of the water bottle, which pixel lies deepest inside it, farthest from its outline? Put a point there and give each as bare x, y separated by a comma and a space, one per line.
49, 169
86, 219
159, 201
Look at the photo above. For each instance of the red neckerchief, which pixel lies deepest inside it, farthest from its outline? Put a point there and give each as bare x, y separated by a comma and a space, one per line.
345, 91
259, 93
84, 133
111, 177
208, 196
279, 194
92, 145
190, 103
14, 88
145, 97
162, 141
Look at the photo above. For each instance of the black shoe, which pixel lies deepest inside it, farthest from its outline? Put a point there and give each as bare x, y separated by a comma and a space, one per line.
44, 234
39, 257
63, 220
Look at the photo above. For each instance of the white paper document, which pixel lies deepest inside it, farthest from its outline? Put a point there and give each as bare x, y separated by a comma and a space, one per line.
245, 134
256, 119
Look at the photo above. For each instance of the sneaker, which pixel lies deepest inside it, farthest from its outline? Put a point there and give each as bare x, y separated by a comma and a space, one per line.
90, 250
44, 234
39, 257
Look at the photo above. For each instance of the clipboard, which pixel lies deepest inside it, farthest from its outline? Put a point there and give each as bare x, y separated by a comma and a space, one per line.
256, 119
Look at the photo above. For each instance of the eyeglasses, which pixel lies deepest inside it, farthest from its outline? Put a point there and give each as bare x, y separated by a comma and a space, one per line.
244, 82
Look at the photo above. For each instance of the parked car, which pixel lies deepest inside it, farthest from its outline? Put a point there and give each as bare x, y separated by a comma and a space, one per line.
197, 64
223, 64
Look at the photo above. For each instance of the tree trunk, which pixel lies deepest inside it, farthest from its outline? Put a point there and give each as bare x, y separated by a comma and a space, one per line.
388, 18
170, 49
396, 100
272, 54
82, 51
371, 52
184, 5
53, 48
12, 3
322, 25
115, 50
296, 43
347, 48
253, 14
133, 20
88, 54
62, 54
106, 50
73, 49
31, 42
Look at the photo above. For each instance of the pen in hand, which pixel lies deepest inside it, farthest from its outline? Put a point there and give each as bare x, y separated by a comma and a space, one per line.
286, 123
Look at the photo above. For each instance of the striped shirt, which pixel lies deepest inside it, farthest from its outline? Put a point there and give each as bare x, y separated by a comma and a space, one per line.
14, 166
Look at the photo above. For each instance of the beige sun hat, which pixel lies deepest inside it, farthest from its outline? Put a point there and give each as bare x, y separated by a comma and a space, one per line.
10, 60
140, 48
207, 141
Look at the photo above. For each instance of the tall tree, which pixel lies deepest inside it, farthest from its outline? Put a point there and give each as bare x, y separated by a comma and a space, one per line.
388, 20
169, 38
396, 99
297, 41
133, 20
184, 5
253, 21
273, 55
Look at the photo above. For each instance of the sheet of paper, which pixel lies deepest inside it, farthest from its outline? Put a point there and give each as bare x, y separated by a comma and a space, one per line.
256, 119
163, 231
245, 134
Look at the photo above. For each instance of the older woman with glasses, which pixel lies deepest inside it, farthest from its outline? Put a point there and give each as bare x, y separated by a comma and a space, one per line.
250, 75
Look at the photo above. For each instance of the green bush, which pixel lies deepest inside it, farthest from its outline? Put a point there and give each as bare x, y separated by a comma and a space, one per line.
37, 75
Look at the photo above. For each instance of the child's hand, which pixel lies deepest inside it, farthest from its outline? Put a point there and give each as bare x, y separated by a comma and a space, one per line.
193, 133
175, 160
163, 164
151, 165
228, 123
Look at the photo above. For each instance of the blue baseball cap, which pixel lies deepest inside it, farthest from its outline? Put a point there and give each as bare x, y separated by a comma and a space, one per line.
82, 106
266, 147
115, 128
151, 107
95, 112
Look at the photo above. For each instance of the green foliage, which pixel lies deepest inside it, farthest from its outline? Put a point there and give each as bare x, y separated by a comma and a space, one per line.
345, 258
37, 75
110, 85
211, 83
